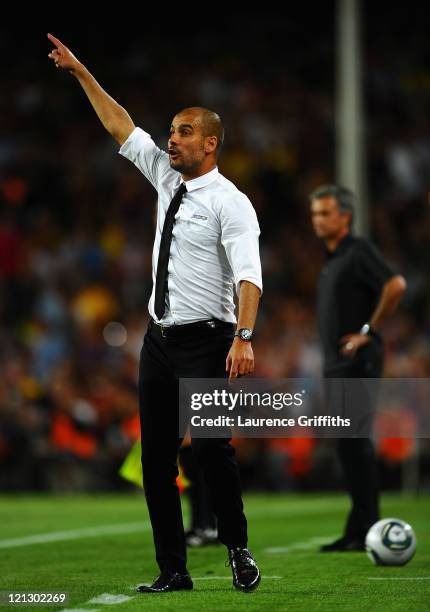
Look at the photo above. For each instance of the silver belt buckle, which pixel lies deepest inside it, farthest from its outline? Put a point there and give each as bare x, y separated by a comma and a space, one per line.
163, 328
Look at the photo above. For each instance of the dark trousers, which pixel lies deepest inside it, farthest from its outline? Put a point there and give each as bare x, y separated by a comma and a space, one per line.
201, 505
357, 455
358, 460
199, 353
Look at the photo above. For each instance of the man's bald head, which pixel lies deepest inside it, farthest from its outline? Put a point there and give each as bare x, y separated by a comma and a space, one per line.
209, 121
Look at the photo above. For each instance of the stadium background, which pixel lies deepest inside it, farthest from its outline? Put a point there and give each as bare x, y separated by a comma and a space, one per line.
76, 223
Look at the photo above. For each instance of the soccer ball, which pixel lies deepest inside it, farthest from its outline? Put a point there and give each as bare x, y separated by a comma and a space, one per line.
391, 541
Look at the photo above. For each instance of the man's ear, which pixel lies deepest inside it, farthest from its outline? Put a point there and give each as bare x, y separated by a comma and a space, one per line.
348, 218
210, 144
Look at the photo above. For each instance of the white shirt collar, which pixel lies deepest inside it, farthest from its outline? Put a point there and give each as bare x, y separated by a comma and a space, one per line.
201, 181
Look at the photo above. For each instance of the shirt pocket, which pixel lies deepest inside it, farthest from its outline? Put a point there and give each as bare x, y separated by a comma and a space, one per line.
197, 223
199, 229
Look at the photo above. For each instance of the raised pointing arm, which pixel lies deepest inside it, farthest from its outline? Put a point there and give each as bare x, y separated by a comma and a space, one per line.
112, 115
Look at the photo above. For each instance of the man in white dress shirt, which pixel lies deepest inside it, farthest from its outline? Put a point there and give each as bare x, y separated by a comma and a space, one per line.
206, 244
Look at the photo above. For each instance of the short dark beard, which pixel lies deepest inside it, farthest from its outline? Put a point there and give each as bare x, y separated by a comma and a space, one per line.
185, 169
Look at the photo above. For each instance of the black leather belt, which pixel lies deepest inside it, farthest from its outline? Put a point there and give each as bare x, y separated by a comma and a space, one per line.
176, 331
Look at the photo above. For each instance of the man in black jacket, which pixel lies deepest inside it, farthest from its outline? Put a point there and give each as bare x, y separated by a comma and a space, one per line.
356, 290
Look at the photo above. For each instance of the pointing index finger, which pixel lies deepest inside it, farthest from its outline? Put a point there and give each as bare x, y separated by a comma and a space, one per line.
56, 41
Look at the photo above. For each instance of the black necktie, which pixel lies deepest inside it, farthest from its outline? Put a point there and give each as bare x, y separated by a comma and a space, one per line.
163, 255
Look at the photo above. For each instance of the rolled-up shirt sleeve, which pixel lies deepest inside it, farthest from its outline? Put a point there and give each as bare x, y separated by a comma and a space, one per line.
239, 236
140, 149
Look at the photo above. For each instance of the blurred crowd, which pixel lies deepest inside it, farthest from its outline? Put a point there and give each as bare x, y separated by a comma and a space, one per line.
76, 229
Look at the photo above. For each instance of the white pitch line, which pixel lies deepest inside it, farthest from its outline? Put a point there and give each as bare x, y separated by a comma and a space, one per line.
399, 578
305, 545
118, 529
104, 599
109, 599
75, 534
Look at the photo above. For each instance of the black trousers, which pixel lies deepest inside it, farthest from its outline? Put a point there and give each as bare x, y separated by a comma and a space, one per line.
357, 455
202, 515
198, 353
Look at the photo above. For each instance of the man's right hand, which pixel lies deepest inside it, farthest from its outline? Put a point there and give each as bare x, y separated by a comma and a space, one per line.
112, 115
62, 56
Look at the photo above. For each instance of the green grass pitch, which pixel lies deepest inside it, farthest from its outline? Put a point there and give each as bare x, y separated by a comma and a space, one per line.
103, 545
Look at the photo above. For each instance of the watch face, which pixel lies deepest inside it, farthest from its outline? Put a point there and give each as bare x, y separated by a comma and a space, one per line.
245, 334
365, 329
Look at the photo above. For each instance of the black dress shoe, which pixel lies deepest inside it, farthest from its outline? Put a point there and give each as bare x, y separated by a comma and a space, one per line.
167, 582
344, 544
246, 575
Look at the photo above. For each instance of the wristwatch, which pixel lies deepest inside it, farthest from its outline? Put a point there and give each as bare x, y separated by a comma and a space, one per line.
244, 334
367, 330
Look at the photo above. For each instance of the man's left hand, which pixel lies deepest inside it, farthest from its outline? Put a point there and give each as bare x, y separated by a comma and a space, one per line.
240, 359
352, 342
